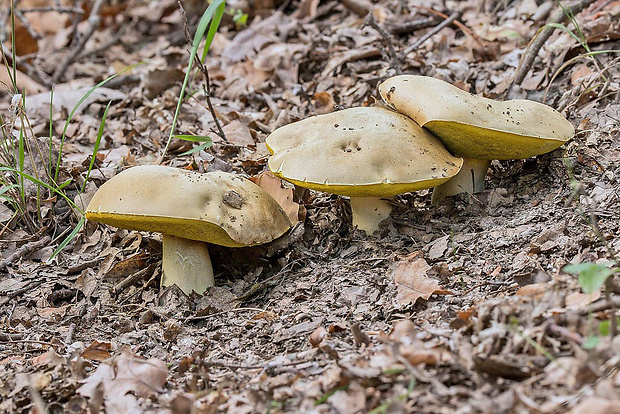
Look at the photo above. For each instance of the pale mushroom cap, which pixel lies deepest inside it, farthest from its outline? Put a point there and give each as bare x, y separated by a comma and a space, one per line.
472, 126
215, 207
360, 152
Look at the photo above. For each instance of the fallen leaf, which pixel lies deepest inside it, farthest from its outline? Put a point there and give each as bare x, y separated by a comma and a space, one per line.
97, 351
283, 195
411, 281
238, 134
317, 336
534, 290
128, 378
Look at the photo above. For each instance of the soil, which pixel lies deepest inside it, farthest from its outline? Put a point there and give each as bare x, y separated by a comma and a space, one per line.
457, 307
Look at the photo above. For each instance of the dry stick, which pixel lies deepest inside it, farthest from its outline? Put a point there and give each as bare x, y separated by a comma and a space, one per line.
205, 72
94, 21
18, 292
559, 16
395, 62
25, 250
75, 20
427, 36
58, 9
131, 279
31, 71
26, 23
412, 25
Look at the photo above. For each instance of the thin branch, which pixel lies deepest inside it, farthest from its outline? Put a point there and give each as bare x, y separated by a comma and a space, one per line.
559, 16
395, 62
428, 35
94, 21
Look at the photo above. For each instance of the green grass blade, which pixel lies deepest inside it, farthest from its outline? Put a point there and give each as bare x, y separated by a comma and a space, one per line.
200, 31
97, 143
215, 24
571, 33
49, 161
21, 153
75, 108
70, 237
194, 138
46, 185
197, 149
4, 189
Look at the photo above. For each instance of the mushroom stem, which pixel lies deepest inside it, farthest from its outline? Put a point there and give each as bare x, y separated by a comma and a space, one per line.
186, 263
368, 212
469, 180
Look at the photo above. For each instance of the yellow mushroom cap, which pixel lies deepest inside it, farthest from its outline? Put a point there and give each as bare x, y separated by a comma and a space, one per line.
472, 126
215, 207
360, 152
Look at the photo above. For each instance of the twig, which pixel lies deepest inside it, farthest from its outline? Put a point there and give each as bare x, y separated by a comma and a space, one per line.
23, 251
412, 25
58, 9
133, 278
613, 303
19, 292
26, 23
94, 21
395, 62
559, 16
114, 40
566, 333
428, 35
259, 285
6, 337
212, 315
231, 366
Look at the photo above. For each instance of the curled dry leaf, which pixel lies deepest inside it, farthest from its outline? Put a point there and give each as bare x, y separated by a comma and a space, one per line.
127, 378
317, 336
97, 351
411, 281
283, 195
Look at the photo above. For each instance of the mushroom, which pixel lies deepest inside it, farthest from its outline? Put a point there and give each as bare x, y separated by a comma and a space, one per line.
476, 128
189, 209
364, 153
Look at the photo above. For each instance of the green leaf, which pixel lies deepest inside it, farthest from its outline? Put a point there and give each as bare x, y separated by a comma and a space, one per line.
591, 342
592, 276
207, 17
196, 149
97, 143
194, 138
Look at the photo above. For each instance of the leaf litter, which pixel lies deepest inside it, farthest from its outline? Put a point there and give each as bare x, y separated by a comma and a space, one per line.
461, 307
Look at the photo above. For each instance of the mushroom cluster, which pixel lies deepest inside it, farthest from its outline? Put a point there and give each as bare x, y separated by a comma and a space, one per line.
190, 210
370, 154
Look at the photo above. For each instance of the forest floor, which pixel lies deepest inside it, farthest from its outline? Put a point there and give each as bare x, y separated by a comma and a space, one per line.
456, 308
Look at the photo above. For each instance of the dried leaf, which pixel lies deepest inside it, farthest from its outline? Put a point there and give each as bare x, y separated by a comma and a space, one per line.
411, 281
97, 351
283, 195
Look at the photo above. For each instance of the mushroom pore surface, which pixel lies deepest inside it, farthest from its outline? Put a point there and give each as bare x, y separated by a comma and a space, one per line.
476, 127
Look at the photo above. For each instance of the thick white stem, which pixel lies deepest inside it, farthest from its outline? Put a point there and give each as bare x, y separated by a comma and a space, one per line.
186, 263
469, 180
368, 212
